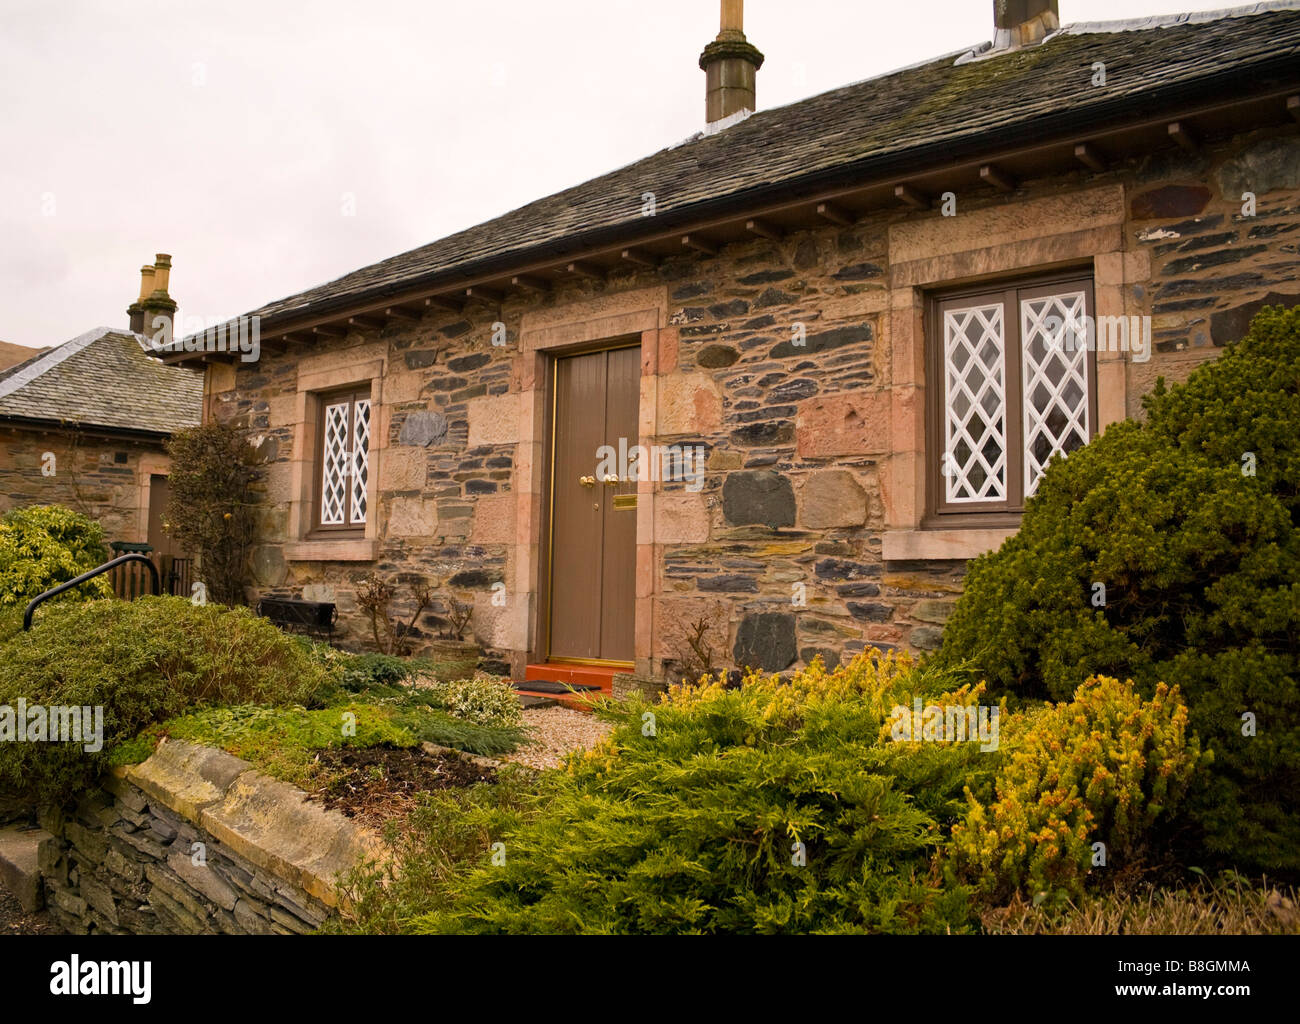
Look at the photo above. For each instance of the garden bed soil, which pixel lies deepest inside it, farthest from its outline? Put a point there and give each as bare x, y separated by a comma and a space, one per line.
376, 784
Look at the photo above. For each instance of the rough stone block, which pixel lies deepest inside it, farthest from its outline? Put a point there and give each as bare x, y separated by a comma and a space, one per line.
186, 777
250, 919
412, 517
681, 519
689, 403
203, 878
851, 423
832, 498
761, 498
494, 420
766, 640
20, 857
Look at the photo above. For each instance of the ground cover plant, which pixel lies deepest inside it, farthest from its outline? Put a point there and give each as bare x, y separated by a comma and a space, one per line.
1226, 905
1169, 551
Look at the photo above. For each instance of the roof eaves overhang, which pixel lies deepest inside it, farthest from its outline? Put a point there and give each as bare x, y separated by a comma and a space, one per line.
86, 429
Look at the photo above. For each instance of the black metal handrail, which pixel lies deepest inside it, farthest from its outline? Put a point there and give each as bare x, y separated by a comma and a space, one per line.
111, 564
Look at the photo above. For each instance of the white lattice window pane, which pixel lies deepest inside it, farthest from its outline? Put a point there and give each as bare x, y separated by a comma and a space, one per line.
360, 458
975, 414
1054, 366
334, 465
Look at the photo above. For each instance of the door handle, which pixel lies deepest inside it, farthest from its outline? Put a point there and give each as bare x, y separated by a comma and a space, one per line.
610, 481
587, 481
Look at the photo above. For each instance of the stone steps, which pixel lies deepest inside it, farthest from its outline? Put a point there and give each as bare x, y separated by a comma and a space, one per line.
19, 868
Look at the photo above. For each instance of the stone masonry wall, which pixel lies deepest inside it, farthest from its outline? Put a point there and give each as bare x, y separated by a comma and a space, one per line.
87, 477
795, 496
195, 842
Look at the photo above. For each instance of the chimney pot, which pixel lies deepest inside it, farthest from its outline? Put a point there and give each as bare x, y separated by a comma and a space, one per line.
135, 311
162, 272
733, 16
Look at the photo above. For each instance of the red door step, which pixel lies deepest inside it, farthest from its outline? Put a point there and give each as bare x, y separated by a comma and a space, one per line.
599, 676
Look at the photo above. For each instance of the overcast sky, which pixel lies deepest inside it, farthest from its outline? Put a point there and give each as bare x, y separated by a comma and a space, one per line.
231, 134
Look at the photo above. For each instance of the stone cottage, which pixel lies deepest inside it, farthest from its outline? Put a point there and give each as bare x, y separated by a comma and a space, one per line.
786, 377
83, 424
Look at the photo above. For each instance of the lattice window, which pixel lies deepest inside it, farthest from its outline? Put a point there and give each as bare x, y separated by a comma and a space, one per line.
975, 414
1055, 380
345, 461
334, 466
1013, 381
360, 459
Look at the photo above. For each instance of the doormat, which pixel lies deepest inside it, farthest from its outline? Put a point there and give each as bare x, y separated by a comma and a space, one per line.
546, 686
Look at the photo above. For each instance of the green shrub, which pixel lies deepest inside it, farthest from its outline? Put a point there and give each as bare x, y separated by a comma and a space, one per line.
484, 701
210, 504
1201, 566
142, 661
365, 671
694, 826
1106, 767
42, 546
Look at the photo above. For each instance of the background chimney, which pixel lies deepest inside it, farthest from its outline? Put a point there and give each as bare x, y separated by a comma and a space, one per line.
1023, 22
730, 65
136, 310
157, 302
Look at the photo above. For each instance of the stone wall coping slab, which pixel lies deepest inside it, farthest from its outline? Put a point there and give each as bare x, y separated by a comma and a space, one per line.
270, 823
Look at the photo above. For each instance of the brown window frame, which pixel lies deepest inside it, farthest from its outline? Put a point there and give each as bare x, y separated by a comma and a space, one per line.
348, 528
1004, 512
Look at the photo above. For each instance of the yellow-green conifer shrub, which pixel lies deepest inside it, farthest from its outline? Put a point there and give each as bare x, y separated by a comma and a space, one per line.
777, 807
1105, 768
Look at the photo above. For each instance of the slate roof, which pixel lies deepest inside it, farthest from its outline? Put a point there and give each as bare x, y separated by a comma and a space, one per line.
103, 379
11, 355
928, 112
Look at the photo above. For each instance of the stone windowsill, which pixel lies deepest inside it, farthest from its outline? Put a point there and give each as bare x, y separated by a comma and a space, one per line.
927, 545
358, 549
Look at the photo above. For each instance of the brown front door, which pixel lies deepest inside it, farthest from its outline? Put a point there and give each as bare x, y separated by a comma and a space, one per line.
165, 549
593, 537
158, 537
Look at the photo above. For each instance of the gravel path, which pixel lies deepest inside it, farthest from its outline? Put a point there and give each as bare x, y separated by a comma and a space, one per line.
556, 731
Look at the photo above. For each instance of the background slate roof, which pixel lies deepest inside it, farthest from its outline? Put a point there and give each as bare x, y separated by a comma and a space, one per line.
941, 102
11, 355
104, 378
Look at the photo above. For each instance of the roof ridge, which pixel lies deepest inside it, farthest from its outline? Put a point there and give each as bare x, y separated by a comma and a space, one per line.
1084, 28
47, 361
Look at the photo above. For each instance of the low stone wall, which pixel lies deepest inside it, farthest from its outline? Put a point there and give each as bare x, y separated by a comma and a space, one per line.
194, 841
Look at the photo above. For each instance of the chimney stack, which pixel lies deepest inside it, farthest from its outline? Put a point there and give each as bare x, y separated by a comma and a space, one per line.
1023, 22
730, 64
154, 300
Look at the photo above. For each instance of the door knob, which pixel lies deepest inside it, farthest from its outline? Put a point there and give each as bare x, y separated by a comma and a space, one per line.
610, 481
587, 481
